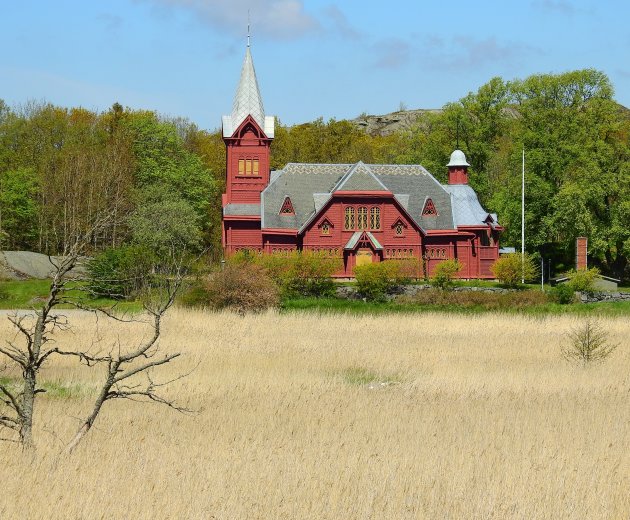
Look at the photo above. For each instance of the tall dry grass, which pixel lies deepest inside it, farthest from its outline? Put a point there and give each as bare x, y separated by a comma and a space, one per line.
477, 417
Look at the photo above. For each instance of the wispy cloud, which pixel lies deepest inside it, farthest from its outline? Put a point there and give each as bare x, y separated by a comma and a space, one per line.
111, 22
340, 24
274, 19
392, 53
561, 7
467, 52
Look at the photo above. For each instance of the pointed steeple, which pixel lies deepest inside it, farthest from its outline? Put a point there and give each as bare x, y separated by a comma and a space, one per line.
247, 101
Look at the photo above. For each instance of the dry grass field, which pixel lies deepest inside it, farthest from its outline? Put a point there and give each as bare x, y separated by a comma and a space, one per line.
324, 417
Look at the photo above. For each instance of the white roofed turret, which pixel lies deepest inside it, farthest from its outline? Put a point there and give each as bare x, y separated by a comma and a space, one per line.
248, 102
458, 158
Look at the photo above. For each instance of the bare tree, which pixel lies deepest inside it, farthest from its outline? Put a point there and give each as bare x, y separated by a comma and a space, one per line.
37, 327
123, 369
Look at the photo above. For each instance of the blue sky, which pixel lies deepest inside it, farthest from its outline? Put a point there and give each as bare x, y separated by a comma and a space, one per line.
313, 57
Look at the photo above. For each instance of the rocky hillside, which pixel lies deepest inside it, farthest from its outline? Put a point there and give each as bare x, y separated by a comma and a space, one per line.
390, 123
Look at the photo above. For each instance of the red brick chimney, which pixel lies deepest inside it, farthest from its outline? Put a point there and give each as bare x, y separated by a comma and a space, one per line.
581, 253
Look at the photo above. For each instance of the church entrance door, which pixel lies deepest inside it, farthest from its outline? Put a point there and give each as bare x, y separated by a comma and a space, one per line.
364, 256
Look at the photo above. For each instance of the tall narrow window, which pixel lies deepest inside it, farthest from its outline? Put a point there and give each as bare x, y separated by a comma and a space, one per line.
241, 166
399, 228
349, 218
287, 207
375, 218
362, 214
429, 209
255, 167
248, 167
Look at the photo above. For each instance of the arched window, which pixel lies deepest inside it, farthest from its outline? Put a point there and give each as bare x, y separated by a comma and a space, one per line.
375, 218
349, 218
362, 217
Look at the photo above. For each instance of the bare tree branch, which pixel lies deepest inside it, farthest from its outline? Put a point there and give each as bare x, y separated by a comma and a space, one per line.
12, 401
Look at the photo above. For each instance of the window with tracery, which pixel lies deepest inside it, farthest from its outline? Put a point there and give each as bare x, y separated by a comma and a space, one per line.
399, 229
349, 218
429, 209
287, 207
362, 218
325, 228
375, 218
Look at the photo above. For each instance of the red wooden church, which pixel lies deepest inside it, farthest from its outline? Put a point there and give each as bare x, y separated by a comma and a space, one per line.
359, 212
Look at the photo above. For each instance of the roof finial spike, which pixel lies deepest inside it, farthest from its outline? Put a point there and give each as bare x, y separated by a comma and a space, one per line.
248, 28
457, 134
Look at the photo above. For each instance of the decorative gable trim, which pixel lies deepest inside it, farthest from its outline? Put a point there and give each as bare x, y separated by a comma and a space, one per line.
287, 208
429, 209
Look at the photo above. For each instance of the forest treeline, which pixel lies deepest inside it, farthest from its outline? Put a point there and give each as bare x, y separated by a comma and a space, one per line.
159, 180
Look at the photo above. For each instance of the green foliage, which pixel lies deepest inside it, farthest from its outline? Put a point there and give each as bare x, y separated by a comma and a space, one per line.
304, 273
363, 376
588, 344
444, 272
583, 280
376, 280
498, 301
164, 223
563, 294
120, 273
512, 268
242, 287
18, 208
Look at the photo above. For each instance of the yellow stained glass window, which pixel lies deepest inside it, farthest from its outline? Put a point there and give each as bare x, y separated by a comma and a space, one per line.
349, 218
362, 218
375, 218
241, 166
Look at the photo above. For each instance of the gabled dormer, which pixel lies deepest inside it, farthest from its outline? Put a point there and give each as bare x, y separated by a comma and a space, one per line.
247, 134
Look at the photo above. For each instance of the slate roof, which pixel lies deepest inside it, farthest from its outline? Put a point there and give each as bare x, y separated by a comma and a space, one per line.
466, 208
248, 101
242, 209
310, 187
357, 235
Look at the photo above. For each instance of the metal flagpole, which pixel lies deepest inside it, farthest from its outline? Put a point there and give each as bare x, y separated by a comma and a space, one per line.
523, 221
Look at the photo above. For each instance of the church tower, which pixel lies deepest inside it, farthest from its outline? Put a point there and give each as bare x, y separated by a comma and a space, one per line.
247, 134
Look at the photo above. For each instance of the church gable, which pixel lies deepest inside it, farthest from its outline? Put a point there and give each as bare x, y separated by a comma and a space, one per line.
361, 178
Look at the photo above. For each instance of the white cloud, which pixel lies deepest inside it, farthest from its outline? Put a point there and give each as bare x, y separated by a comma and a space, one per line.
274, 19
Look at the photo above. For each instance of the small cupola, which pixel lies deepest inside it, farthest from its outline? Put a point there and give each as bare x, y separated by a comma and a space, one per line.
458, 168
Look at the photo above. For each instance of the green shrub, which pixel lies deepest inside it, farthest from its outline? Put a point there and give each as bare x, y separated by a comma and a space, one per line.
119, 273
375, 280
583, 280
444, 272
242, 287
303, 273
510, 269
563, 293
478, 299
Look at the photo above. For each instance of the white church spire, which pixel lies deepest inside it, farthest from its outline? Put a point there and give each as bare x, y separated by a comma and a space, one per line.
248, 101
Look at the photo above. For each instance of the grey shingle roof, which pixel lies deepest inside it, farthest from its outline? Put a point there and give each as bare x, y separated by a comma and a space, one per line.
248, 101
310, 186
357, 235
242, 209
466, 208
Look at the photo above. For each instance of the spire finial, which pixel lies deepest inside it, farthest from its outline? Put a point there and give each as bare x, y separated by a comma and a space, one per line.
248, 28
